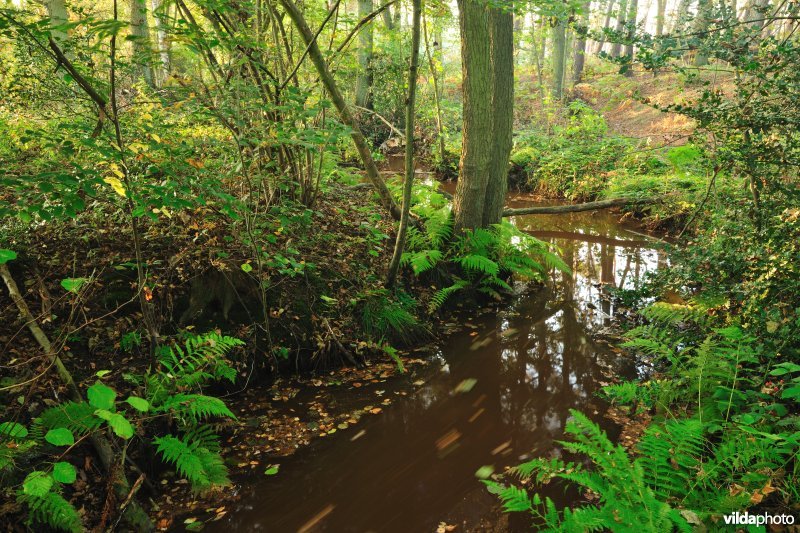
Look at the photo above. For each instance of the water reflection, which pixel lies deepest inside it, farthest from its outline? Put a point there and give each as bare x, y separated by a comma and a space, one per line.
503, 392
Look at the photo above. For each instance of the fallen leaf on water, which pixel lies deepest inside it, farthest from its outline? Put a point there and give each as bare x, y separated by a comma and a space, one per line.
484, 472
272, 470
445, 528
466, 385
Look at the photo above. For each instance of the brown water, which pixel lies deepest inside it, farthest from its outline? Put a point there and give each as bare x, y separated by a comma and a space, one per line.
414, 466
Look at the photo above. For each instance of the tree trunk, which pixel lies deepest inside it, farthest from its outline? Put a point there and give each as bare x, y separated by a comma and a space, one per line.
660, 14
469, 200
501, 35
57, 11
162, 42
606, 26
436, 92
344, 112
616, 48
701, 23
580, 46
364, 81
630, 20
559, 56
408, 182
140, 41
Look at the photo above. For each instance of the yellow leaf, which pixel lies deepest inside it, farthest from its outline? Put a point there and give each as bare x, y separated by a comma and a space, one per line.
155, 137
116, 185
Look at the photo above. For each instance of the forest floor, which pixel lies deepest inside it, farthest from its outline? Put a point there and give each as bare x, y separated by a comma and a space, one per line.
185, 255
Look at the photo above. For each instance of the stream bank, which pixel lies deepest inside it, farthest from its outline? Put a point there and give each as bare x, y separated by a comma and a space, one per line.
494, 390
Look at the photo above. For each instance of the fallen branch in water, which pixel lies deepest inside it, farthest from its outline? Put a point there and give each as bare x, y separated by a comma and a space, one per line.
576, 208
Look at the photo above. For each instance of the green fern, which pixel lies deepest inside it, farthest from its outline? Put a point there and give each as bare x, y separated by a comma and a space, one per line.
203, 467
195, 407
421, 261
442, 295
78, 417
53, 510
389, 316
201, 359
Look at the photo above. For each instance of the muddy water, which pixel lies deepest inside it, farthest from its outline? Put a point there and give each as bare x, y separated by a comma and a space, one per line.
499, 392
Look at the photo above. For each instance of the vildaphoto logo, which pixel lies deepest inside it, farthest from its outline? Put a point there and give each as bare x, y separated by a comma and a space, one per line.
763, 519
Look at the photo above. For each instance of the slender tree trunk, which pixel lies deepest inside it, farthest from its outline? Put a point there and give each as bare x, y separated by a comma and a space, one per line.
616, 48
580, 46
660, 14
606, 26
631, 22
559, 57
364, 81
408, 182
344, 112
681, 13
387, 19
469, 200
436, 93
140, 41
501, 34
161, 40
701, 23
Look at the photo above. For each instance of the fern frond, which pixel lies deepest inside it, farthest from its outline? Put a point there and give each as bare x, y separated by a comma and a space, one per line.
441, 296
78, 417
204, 468
53, 510
195, 406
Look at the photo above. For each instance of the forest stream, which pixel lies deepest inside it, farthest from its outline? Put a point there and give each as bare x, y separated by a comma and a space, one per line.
500, 392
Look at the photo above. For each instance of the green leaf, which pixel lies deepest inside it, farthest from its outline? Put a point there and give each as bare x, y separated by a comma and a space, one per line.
140, 404
64, 472
247, 267
60, 437
118, 423
73, 284
37, 484
13, 430
792, 393
102, 373
6, 256
101, 396
272, 470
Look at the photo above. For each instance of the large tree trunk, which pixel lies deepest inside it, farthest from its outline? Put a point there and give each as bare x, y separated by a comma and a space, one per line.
580, 46
140, 41
408, 182
501, 33
559, 57
364, 81
468, 204
341, 106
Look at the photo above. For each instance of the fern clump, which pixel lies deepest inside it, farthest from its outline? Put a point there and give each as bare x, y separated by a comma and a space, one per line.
387, 316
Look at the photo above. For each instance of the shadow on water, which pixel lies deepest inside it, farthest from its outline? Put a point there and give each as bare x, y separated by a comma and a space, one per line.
531, 362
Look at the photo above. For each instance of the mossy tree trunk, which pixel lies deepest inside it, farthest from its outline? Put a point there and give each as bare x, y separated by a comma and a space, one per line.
487, 62
469, 200
501, 32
